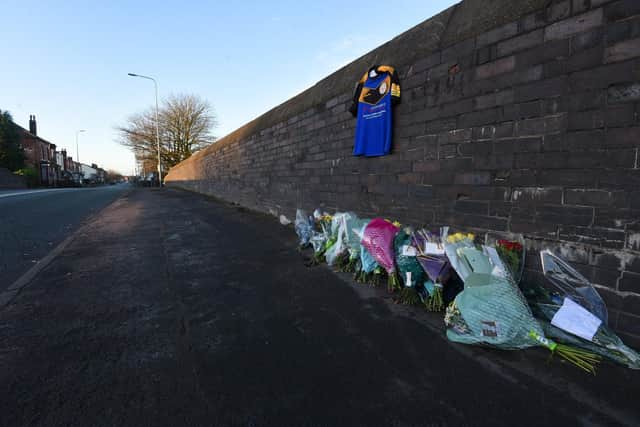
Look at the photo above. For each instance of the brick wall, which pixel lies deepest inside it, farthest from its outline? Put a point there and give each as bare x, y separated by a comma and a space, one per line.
517, 116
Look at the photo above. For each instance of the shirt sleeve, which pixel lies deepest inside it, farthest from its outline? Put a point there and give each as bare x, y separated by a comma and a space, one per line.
356, 95
395, 82
395, 87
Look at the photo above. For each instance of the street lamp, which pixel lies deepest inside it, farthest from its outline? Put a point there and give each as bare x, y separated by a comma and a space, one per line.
77, 133
157, 121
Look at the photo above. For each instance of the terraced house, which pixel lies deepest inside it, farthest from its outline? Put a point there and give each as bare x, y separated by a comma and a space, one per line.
54, 167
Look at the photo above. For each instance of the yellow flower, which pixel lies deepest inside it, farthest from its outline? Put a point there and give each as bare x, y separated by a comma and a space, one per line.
452, 239
458, 237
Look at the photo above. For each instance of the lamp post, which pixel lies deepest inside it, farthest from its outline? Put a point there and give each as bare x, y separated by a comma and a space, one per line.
155, 83
77, 133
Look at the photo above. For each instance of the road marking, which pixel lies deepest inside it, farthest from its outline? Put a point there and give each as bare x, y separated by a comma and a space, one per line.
14, 289
48, 190
33, 271
24, 193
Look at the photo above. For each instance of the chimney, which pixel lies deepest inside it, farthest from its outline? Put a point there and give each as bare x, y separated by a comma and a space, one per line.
32, 125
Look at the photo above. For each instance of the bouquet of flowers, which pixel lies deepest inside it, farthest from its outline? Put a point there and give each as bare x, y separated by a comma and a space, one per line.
340, 232
304, 227
569, 283
411, 273
367, 269
433, 260
406, 253
321, 238
492, 311
351, 258
378, 239
574, 313
572, 324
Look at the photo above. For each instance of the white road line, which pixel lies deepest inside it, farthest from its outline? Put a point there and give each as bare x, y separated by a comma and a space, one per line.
24, 193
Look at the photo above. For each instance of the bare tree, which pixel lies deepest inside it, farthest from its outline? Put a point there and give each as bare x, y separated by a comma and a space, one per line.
186, 124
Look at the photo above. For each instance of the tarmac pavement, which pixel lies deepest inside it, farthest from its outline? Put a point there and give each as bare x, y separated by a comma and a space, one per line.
170, 308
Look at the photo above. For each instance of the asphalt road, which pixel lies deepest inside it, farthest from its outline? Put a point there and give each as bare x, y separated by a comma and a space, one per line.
33, 223
174, 309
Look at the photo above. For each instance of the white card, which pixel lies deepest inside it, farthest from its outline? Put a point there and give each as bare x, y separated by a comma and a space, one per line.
433, 248
575, 319
409, 250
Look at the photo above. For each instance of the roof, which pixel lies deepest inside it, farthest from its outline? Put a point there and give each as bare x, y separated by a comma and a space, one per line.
32, 136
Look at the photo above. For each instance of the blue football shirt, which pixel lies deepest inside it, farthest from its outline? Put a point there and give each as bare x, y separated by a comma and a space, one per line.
374, 96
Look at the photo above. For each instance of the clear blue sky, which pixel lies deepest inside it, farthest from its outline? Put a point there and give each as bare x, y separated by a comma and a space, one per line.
67, 61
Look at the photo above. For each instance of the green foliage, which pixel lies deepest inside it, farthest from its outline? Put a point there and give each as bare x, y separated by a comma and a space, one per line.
11, 154
435, 302
30, 175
